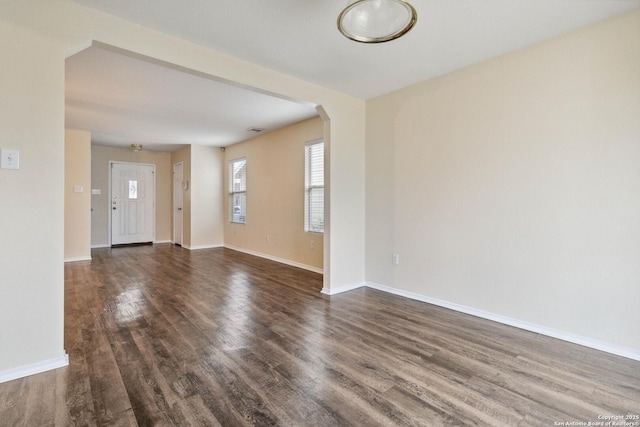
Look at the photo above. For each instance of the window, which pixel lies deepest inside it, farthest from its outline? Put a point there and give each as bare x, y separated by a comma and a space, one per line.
133, 188
314, 187
238, 190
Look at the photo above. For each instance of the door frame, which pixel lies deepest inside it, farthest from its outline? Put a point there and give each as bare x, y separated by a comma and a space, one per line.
181, 163
155, 213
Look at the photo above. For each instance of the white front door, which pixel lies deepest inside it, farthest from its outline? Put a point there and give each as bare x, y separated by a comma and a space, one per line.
132, 203
177, 203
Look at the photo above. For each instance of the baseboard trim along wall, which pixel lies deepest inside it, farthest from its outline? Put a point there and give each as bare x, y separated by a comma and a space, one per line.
106, 245
531, 327
81, 258
34, 368
344, 288
198, 247
277, 259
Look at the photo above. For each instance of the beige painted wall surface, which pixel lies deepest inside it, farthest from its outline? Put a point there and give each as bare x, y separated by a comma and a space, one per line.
184, 155
207, 202
275, 196
100, 158
77, 205
32, 210
513, 186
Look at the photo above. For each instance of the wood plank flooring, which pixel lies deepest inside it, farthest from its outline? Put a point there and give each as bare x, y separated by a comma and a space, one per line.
161, 336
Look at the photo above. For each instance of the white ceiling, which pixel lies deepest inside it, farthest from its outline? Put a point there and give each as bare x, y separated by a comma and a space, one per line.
299, 38
124, 100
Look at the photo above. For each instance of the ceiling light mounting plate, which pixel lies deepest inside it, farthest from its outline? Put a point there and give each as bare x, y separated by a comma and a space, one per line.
376, 21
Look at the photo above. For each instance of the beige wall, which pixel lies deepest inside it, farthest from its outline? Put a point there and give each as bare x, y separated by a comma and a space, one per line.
207, 203
275, 196
32, 211
512, 187
100, 158
77, 205
202, 200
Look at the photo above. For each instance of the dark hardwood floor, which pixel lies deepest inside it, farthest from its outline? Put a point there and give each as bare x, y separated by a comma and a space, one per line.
158, 335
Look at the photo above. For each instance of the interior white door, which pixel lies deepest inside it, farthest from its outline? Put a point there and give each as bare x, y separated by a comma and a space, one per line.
177, 203
132, 203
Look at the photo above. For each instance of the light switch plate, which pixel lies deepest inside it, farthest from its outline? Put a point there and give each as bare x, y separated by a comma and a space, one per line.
78, 189
10, 159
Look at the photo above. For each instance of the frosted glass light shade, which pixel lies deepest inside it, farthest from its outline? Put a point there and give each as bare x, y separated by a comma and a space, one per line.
376, 21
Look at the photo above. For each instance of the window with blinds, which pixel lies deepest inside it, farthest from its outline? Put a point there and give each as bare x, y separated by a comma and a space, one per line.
238, 190
314, 186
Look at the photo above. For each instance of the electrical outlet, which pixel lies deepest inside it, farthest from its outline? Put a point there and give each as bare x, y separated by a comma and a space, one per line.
267, 238
395, 259
312, 245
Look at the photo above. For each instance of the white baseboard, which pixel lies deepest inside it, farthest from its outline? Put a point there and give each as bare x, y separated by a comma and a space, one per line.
106, 245
277, 259
344, 288
81, 258
34, 368
197, 247
532, 327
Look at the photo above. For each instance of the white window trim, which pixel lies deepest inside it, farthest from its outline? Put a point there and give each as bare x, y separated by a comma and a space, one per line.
307, 188
232, 193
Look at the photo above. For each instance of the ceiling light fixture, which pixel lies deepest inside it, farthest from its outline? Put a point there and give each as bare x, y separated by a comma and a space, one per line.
136, 147
376, 21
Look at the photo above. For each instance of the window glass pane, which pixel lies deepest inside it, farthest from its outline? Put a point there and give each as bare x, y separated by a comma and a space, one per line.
133, 189
316, 165
316, 209
239, 175
239, 207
